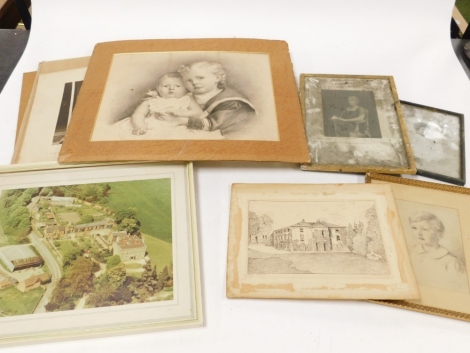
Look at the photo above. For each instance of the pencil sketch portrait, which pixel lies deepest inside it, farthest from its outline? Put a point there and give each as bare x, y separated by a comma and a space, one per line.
435, 245
315, 237
352, 121
188, 96
435, 140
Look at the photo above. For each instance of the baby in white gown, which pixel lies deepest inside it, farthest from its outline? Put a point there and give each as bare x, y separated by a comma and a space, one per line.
171, 99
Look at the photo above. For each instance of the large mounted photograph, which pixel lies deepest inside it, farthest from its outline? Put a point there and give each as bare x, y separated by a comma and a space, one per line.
94, 251
437, 138
435, 222
354, 124
205, 99
316, 241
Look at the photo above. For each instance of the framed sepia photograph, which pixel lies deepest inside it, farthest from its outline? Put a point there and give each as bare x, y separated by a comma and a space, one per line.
316, 241
97, 251
194, 99
354, 124
435, 222
437, 138
50, 102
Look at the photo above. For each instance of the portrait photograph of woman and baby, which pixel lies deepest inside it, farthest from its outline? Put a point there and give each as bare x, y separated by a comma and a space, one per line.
188, 96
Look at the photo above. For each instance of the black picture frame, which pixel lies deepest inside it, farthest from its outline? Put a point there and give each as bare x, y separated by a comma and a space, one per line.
441, 129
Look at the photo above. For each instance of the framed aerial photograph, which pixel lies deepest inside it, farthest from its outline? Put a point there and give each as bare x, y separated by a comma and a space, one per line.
437, 139
97, 251
192, 99
316, 241
50, 102
436, 225
354, 124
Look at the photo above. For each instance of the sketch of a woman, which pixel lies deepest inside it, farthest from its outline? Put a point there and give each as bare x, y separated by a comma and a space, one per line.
353, 120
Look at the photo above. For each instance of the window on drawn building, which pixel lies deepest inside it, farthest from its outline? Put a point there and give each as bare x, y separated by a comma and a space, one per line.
301, 237
338, 238
301, 229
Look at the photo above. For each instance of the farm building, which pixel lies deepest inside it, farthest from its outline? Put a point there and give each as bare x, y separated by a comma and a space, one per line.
17, 257
33, 282
62, 201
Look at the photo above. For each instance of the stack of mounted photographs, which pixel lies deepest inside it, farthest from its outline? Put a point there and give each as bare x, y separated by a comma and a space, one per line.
88, 223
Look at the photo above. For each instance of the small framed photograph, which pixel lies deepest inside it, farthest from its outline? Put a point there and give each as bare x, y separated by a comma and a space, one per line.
354, 124
316, 241
437, 139
96, 251
435, 221
50, 102
191, 99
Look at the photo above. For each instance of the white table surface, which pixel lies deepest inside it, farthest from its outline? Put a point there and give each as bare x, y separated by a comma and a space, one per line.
408, 39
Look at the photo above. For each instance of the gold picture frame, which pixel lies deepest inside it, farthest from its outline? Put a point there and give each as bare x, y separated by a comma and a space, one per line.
309, 241
434, 220
354, 123
250, 111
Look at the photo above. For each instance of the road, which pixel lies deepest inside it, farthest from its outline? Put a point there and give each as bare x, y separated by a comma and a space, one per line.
54, 269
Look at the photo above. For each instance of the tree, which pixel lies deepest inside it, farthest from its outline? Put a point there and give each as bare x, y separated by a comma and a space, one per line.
129, 213
126, 219
360, 240
146, 285
375, 246
70, 256
80, 275
112, 261
131, 226
116, 276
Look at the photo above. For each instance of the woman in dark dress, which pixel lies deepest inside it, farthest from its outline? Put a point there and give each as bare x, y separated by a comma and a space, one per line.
352, 122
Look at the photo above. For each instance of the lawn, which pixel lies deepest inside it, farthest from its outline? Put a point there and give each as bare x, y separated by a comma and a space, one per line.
14, 302
160, 252
321, 263
151, 198
65, 246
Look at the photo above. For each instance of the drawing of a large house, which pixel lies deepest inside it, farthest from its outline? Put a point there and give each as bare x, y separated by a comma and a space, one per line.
316, 236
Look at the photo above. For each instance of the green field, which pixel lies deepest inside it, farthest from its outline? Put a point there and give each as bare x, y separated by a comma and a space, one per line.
151, 198
160, 252
14, 302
